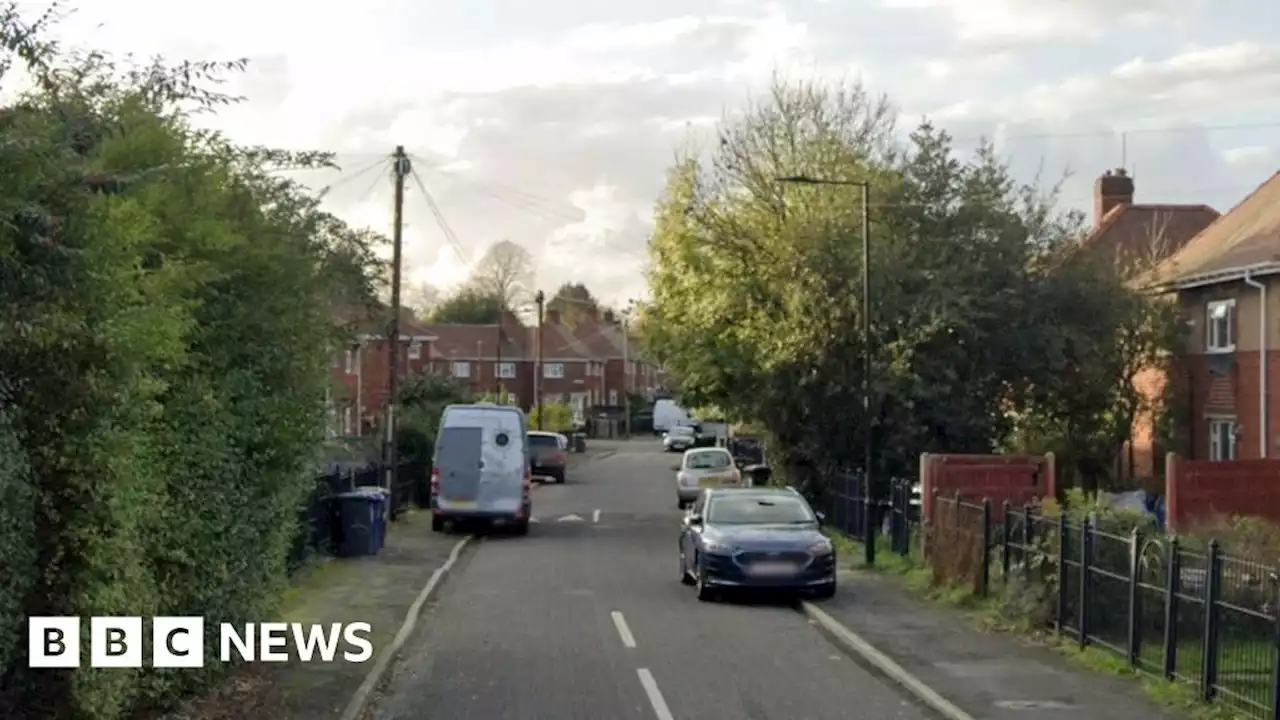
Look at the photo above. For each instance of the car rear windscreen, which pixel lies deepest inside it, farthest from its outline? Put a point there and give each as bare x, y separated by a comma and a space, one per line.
549, 441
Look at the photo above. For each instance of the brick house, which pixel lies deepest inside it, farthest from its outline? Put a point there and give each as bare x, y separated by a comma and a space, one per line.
1140, 236
359, 372
471, 355
1226, 282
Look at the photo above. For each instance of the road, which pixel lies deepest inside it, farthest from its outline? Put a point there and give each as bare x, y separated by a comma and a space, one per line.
585, 618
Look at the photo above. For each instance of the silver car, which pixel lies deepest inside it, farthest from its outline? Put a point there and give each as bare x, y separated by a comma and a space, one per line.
679, 439
703, 468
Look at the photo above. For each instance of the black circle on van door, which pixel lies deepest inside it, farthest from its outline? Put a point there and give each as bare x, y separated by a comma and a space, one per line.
502, 439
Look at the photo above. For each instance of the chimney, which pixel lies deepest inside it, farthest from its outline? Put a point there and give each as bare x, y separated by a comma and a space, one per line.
1113, 189
610, 318
553, 317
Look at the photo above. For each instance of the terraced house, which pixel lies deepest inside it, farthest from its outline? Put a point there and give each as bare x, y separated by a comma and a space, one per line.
588, 364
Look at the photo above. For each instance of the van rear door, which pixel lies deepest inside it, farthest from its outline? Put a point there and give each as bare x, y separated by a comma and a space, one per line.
504, 462
459, 457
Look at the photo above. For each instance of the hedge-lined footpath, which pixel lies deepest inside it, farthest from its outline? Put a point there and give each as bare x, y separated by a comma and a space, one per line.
165, 316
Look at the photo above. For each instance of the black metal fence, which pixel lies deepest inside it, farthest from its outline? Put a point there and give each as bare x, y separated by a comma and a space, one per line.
1196, 616
318, 521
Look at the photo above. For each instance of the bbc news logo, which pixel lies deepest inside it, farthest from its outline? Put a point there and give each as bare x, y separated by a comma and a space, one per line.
178, 642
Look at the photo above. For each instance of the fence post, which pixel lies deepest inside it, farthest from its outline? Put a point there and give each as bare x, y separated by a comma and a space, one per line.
1028, 536
893, 516
905, 548
1083, 595
1172, 585
1006, 537
1064, 537
1209, 648
1275, 648
986, 548
931, 532
869, 528
1135, 597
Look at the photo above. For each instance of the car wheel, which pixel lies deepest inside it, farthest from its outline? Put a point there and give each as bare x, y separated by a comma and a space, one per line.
560, 478
522, 527
826, 592
705, 592
685, 577
437, 523
681, 504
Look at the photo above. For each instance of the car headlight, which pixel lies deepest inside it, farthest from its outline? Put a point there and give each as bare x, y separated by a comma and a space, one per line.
719, 548
822, 547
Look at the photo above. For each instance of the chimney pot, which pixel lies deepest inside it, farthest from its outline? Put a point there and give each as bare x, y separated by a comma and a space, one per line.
1112, 189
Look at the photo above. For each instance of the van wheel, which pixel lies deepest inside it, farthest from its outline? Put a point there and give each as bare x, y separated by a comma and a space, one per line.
437, 523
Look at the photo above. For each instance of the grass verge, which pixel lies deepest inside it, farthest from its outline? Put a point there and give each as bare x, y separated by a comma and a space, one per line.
991, 615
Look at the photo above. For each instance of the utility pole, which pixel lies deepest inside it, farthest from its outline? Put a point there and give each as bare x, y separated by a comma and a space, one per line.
400, 169
626, 377
497, 367
537, 369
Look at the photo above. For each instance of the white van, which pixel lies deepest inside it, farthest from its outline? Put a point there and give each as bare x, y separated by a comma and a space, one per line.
482, 469
668, 415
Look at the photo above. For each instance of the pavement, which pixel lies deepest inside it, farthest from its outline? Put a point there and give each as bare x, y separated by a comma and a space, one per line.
379, 590
991, 676
585, 618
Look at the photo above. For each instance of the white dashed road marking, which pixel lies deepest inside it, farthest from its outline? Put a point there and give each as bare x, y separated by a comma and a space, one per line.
595, 515
624, 632
655, 695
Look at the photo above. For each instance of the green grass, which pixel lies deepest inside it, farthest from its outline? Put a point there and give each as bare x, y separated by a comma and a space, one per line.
992, 614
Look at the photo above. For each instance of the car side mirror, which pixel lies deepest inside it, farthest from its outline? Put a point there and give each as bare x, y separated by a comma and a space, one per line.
694, 520
822, 517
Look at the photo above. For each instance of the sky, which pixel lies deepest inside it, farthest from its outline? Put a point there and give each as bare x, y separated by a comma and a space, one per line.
551, 123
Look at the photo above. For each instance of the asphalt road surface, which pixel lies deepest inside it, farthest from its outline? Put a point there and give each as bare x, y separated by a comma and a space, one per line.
585, 619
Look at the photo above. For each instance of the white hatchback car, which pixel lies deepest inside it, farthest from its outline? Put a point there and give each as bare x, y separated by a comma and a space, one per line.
703, 468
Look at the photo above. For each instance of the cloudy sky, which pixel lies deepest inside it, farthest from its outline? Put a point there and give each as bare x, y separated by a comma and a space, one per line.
551, 123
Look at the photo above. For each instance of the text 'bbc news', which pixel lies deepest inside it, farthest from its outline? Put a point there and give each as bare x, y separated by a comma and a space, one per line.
179, 642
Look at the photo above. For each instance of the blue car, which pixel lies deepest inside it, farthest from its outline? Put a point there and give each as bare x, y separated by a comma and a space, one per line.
755, 538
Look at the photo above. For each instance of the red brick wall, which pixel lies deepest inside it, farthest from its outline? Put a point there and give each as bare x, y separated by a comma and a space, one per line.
1234, 394
1019, 479
1201, 488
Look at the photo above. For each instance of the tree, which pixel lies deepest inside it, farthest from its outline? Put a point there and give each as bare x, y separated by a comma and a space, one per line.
756, 284
574, 302
468, 306
421, 298
505, 271
556, 417
165, 330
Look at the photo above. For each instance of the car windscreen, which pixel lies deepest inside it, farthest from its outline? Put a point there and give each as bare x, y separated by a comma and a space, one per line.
549, 441
758, 510
708, 461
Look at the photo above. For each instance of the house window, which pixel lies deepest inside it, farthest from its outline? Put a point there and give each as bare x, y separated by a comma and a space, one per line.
415, 351
351, 361
553, 370
613, 397
348, 426
506, 370
1222, 439
462, 369
1220, 326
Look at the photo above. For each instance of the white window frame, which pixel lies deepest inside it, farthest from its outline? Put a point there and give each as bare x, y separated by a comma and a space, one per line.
1213, 343
348, 425
415, 350
1218, 426
553, 371
504, 370
460, 369
613, 397
350, 366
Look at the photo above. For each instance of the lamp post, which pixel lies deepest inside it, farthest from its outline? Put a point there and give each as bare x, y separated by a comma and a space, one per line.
868, 532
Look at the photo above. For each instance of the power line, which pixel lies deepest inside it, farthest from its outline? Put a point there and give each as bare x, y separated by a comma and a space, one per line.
449, 235
379, 163
539, 206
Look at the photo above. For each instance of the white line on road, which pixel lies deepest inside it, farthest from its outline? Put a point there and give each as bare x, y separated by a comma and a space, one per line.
655, 695
595, 515
624, 632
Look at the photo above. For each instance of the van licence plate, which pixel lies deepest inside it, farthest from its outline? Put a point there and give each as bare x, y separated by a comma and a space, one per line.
462, 504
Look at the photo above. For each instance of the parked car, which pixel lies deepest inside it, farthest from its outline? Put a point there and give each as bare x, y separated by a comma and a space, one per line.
702, 468
756, 538
679, 439
482, 467
548, 455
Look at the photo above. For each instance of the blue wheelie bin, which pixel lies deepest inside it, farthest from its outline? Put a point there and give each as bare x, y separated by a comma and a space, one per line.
360, 517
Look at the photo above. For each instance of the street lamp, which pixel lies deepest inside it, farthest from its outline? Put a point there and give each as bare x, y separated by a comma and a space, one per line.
868, 532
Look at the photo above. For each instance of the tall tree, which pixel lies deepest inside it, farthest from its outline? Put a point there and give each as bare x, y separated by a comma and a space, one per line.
468, 306
505, 272
574, 302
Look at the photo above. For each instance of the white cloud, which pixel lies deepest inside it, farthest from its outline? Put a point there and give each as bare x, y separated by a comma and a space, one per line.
1035, 20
